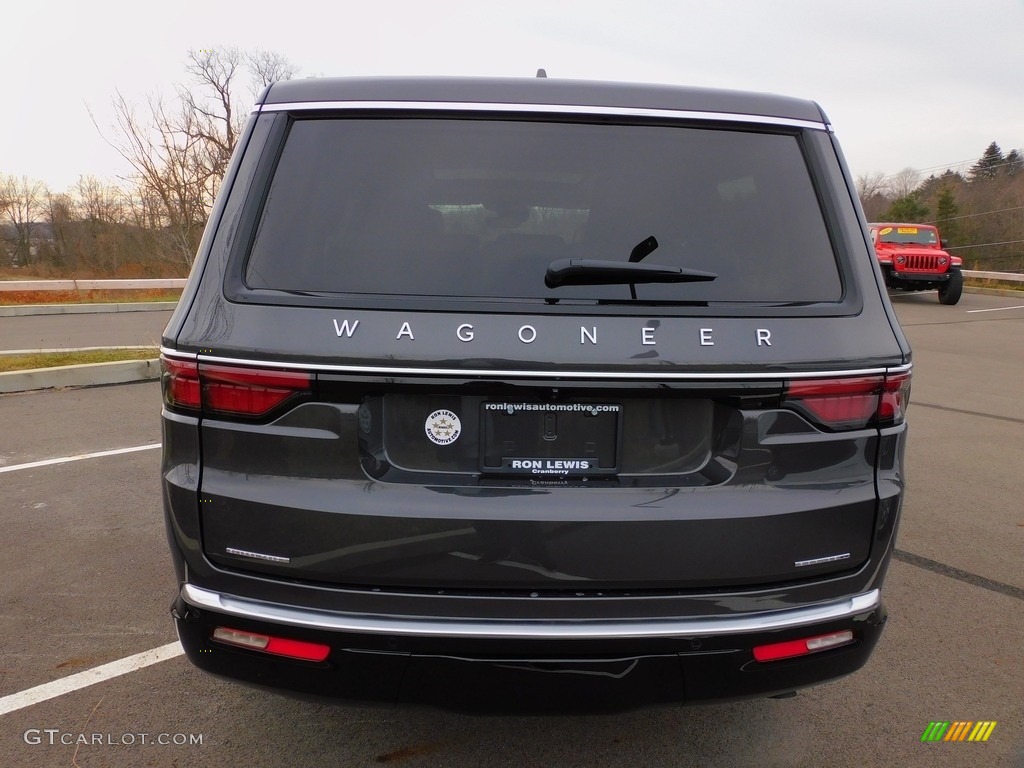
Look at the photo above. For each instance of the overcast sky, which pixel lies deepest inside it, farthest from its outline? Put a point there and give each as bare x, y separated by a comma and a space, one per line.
920, 83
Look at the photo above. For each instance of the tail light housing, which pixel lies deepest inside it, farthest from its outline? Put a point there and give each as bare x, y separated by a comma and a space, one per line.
179, 380
803, 646
851, 403
276, 646
230, 391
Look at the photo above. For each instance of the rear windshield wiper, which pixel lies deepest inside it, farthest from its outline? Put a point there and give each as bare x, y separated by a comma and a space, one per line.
601, 272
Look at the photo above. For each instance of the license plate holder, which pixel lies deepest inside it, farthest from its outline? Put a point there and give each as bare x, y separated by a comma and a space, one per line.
550, 439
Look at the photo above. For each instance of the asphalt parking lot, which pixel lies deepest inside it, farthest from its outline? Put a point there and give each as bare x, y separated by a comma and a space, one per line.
113, 329
87, 581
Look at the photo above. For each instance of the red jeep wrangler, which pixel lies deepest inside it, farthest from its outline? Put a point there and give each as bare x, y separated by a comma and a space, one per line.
913, 258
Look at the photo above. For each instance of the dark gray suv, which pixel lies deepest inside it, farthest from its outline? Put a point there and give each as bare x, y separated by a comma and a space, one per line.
533, 395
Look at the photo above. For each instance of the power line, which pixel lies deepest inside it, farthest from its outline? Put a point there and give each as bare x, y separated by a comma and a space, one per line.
950, 166
984, 245
983, 213
931, 168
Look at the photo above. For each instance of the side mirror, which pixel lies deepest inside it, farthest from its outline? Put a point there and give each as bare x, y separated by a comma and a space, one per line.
944, 243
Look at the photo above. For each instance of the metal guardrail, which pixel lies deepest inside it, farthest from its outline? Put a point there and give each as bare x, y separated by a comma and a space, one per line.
1010, 277
130, 285
90, 285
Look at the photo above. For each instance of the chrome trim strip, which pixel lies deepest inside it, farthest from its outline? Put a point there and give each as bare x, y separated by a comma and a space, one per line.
168, 352
565, 109
766, 621
540, 374
257, 555
822, 560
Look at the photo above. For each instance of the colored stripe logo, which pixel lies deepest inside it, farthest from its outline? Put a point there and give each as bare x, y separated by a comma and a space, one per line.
959, 730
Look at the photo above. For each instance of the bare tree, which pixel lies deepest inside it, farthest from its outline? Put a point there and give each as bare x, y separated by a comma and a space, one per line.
212, 118
903, 183
872, 184
22, 201
268, 67
59, 213
180, 152
171, 166
873, 191
217, 119
98, 202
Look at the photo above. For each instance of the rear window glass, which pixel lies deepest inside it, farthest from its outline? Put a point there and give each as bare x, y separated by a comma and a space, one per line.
478, 209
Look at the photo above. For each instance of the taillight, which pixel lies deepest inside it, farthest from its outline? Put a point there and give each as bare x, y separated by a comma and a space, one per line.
180, 383
278, 646
229, 390
851, 403
892, 408
802, 647
249, 391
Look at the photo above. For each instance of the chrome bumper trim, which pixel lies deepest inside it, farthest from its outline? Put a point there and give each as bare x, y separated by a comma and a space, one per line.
765, 621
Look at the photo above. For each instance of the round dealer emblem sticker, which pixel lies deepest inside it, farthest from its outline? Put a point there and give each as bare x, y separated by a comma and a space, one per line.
443, 427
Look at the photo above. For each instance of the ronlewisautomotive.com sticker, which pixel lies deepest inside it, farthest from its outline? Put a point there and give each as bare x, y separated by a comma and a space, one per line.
588, 408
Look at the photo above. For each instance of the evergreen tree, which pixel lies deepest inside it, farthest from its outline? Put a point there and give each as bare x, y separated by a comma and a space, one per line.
991, 162
908, 208
1014, 163
946, 210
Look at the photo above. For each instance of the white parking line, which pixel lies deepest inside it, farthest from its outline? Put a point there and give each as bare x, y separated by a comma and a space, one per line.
46, 691
997, 309
79, 457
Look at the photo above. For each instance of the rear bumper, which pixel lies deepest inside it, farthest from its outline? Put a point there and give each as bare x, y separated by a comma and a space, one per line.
527, 666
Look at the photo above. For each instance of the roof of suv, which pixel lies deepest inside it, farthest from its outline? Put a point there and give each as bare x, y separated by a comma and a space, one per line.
542, 91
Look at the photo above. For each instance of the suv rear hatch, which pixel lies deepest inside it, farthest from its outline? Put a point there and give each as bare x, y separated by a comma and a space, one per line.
662, 486
425, 412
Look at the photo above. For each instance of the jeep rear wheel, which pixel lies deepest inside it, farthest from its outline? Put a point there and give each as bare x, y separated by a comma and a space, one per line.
950, 292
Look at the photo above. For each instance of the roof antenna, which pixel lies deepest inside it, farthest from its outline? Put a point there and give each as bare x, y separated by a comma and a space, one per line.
541, 73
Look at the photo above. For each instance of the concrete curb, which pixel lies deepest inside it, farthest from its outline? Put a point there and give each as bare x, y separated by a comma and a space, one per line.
87, 375
62, 350
1005, 292
85, 309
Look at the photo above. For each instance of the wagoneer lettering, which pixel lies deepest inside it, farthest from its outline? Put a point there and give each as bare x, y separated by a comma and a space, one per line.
479, 380
527, 334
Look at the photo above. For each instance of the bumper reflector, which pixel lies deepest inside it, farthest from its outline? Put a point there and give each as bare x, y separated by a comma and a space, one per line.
278, 646
802, 647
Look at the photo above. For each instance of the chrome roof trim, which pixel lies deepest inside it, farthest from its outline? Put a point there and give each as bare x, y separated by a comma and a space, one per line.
765, 621
557, 109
